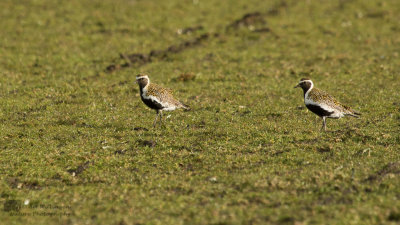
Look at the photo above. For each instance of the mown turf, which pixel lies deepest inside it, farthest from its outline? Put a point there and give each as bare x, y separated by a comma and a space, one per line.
76, 140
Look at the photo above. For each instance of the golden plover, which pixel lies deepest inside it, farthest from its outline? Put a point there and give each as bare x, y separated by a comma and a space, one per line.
323, 104
156, 97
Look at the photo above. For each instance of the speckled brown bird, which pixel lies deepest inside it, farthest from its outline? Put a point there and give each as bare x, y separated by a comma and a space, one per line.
323, 104
157, 98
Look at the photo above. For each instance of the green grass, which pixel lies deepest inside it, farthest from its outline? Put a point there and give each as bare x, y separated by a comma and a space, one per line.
248, 152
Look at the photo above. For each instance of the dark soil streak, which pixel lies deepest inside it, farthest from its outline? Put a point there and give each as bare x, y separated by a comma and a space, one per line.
393, 167
18, 184
249, 19
79, 169
148, 143
140, 59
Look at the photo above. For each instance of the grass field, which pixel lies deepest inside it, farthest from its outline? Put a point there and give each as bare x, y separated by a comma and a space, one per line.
76, 143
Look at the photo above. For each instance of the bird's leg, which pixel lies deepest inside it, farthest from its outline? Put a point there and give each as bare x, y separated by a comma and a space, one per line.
155, 121
161, 120
323, 123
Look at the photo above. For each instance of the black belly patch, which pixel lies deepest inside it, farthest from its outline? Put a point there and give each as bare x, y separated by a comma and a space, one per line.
152, 104
319, 111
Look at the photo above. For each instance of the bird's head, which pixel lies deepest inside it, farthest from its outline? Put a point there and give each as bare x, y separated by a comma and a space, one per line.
305, 84
143, 80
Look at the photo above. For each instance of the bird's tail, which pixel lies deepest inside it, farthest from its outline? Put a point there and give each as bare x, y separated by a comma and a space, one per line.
350, 112
184, 106
354, 113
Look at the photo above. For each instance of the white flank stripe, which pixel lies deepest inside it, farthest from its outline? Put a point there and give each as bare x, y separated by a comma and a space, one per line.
166, 106
336, 113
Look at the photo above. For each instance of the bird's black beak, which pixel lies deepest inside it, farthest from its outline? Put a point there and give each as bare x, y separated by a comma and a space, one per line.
298, 85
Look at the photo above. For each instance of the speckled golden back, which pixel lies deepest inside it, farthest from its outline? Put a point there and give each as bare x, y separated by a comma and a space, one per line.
320, 96
163, 94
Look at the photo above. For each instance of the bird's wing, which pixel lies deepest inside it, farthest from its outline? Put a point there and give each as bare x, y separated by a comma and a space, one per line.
330, 101
163, 95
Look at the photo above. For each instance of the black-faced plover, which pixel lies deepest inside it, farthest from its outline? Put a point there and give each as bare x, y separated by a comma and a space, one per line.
157, 98
323, 104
